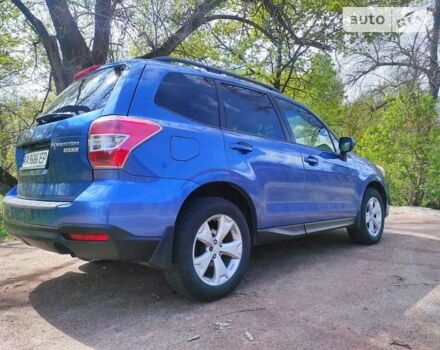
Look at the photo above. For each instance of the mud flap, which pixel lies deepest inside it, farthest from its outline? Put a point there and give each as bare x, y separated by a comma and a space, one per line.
163, 254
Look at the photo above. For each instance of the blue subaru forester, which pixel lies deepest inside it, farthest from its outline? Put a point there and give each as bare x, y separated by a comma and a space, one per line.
185, 167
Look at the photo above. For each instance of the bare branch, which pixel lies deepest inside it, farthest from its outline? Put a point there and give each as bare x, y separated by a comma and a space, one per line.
191, 24
277, 15
49, 43
245, 21
48, 91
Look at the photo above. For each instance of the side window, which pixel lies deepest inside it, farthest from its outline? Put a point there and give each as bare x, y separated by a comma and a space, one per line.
189, 95
305, 127
251, 112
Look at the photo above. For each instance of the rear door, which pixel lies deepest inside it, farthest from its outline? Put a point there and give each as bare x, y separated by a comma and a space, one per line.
260, 159
330, 181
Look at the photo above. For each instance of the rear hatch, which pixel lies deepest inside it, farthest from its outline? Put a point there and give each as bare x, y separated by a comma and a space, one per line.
51, 156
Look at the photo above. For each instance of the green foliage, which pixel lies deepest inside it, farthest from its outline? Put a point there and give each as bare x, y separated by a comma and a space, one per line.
405, 139
15, 115
3, 234
323, 91
402, 133
9, 41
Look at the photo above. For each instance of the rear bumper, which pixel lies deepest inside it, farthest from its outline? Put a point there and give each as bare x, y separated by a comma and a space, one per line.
137, 215
120, 246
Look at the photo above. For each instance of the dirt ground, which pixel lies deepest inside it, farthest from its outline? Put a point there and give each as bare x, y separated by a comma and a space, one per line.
312, 293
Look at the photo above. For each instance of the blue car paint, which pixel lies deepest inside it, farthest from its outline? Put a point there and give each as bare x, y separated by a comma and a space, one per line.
332, 186
145, 197
75, 174
143, 206
272, 175
122, 94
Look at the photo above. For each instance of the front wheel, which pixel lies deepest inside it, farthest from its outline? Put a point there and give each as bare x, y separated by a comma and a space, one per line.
211, 249
368, 228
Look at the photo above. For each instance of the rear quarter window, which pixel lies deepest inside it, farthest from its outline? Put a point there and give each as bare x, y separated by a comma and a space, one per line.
189, 95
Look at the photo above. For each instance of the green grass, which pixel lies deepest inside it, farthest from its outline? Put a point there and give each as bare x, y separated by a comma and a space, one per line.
4, 236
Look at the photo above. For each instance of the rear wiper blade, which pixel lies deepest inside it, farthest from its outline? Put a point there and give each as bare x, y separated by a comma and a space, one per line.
53, 117
77, 109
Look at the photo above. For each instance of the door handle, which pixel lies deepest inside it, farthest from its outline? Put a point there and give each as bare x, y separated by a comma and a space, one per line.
242, 147
311, 160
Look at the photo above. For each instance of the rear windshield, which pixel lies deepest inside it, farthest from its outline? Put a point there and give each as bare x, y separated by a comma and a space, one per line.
90, 93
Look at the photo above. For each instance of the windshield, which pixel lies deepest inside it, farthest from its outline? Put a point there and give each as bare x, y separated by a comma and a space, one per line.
90, 93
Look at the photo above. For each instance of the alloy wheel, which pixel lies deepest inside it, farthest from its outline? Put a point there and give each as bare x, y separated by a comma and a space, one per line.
217, 250
373, 216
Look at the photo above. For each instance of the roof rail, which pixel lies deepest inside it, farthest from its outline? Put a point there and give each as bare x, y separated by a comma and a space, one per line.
211, 69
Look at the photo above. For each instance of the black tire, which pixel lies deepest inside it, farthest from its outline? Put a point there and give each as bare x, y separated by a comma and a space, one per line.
359, 231
182, 276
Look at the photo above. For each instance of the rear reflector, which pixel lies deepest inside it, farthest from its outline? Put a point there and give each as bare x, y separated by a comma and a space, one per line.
112, 138
91, 237
84, 72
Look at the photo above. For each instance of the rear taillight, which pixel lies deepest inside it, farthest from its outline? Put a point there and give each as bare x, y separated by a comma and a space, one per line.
112, 138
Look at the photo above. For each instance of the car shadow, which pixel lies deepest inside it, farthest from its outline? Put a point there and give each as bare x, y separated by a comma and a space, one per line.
113, 304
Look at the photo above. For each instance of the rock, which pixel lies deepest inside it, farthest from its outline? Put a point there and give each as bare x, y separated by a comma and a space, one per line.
249, 336
221, 325
193, 338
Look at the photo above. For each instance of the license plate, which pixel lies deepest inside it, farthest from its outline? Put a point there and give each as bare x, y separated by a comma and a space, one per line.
35, 160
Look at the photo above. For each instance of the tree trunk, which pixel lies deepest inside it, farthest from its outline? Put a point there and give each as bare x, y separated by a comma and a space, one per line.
76, 54
434, 67
277, 81
101, 40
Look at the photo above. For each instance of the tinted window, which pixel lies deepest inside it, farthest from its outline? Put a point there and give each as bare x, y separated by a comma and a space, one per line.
306, 128
250, 112
91, 93
189, 95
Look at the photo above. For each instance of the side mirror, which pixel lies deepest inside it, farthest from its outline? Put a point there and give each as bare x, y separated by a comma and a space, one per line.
346, 144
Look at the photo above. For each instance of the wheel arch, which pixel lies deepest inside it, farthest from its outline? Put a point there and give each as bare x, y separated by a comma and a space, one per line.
231, 192
379, 187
